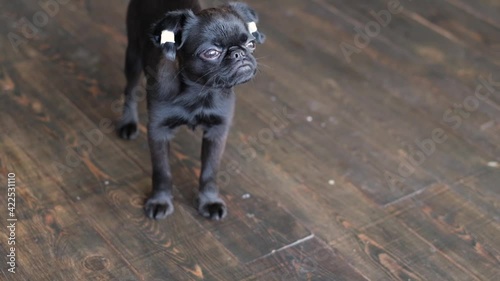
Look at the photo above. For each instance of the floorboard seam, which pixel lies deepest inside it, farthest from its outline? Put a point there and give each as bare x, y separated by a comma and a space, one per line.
408, 196
309, 237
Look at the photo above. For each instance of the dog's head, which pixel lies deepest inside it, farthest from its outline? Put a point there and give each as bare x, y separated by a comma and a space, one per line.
215, 46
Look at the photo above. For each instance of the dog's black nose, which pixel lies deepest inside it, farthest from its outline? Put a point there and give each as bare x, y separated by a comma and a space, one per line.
238, 54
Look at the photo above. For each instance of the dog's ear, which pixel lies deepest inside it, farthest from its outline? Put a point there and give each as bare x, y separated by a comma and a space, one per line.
250, 17
167, 33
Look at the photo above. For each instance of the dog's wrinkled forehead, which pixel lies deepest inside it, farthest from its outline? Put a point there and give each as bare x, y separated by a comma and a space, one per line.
222, 27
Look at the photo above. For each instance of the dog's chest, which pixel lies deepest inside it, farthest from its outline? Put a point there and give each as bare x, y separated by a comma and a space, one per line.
200, 110
206, 117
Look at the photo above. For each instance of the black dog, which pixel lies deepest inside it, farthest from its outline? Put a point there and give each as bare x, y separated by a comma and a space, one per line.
192, 59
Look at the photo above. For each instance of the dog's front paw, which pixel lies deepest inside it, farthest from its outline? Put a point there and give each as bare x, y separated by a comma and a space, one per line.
128, 131
212, 207
159, 206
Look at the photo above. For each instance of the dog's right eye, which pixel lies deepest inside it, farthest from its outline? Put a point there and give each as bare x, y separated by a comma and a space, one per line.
210, 54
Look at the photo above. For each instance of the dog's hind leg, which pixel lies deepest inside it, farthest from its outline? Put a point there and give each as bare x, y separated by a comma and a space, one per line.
127, 127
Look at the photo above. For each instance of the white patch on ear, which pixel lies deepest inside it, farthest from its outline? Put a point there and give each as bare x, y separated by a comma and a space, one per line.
167, 36
252, 27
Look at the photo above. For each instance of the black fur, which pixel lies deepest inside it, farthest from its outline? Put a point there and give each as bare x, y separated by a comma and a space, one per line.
186, 85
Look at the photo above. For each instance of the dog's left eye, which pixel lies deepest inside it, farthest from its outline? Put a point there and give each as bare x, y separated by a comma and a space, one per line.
251, 44
210, 54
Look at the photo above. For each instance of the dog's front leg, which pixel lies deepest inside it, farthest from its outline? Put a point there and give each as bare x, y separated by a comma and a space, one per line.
210, 205
160, 205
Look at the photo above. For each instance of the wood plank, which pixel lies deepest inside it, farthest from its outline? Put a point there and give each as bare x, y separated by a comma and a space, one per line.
176, 248
407, 45
310, 260
400, 138
351, 223
15, 44
78, 253
14, 159
482, 10
474, 33
455, 228
350, 210
69, 246
482, 191
67, 150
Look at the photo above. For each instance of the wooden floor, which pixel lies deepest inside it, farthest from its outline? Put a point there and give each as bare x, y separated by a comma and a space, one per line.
380, 165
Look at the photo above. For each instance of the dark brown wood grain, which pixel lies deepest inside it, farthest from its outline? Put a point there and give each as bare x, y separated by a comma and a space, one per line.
309, 260
470, 236
311, 169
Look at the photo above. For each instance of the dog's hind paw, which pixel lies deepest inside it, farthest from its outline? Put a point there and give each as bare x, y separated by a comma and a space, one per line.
128, 131
159, 206
212, 208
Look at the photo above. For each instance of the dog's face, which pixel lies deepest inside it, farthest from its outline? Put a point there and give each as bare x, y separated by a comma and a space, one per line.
218, 50
215, 47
